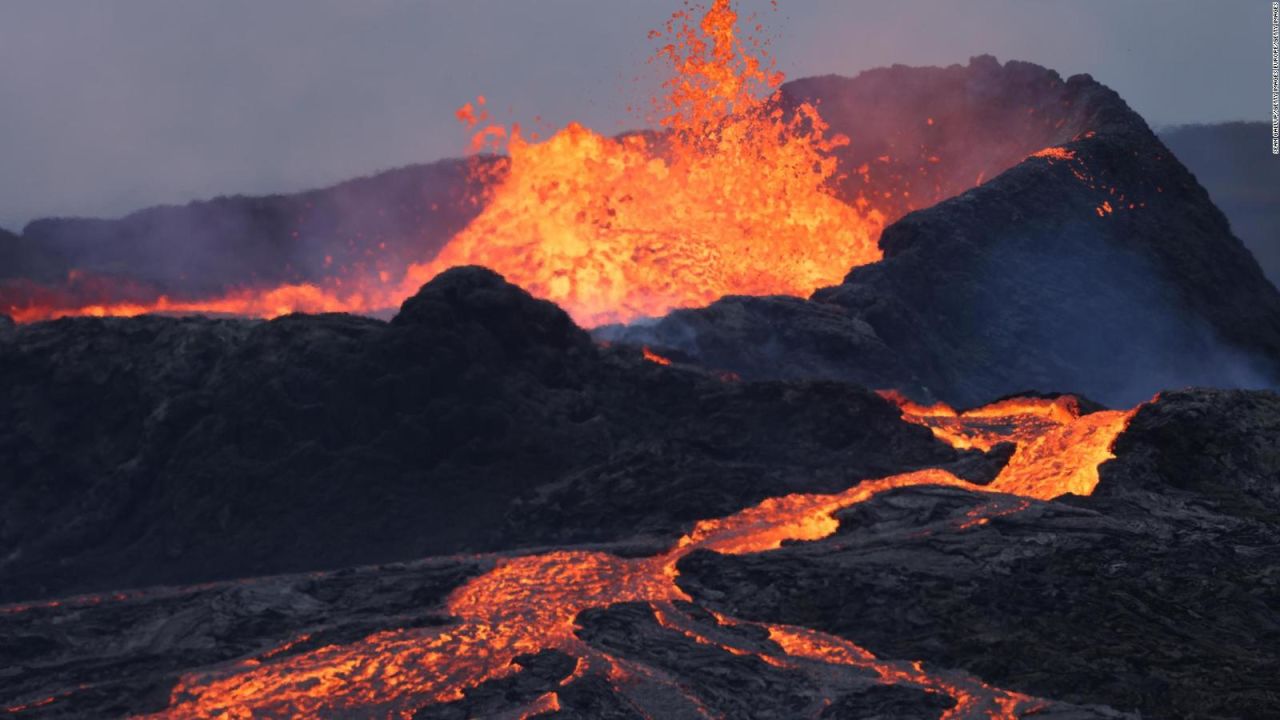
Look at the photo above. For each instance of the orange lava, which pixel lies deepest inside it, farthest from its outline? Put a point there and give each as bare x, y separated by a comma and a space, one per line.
246, 302
1054, 153
530, 603
732, 197
973, 698
733, 200
654, 357
1058, 448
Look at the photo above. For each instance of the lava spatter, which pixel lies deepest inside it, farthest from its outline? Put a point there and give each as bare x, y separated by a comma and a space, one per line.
734, 198
530, 603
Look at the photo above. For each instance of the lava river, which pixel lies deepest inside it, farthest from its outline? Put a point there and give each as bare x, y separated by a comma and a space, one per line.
530, 603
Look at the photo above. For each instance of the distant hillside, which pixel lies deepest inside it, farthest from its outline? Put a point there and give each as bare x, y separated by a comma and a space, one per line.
1233, 161
381, 221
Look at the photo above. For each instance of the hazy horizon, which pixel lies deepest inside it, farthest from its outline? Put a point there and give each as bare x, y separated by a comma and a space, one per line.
111, 108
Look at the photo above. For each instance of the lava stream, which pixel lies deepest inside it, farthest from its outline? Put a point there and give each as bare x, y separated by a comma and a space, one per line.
529, 604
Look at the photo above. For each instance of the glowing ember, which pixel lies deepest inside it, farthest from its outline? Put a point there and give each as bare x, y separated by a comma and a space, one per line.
654, 357
528, 604
1054, 153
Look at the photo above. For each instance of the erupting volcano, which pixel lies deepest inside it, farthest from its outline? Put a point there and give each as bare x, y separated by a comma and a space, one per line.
808, 401
737, 193
733, 197
746, 186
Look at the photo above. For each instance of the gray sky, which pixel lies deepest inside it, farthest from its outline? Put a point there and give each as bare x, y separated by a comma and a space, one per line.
106, 107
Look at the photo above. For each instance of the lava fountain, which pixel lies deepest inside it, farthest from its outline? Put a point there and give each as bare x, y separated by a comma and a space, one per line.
732, 196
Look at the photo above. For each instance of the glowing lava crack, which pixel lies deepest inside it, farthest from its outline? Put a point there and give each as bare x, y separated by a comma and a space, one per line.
531, 603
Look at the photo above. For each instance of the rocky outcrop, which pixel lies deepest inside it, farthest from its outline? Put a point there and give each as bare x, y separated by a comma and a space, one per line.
1158, 593
160, 450
1221, 446
1102, 267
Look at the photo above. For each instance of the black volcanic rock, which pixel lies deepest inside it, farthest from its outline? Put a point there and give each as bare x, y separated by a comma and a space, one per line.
1221, 446
478, 297
1108, 271
730, 685
539, 673
118, 656
160, 450
778, 337
1159, 593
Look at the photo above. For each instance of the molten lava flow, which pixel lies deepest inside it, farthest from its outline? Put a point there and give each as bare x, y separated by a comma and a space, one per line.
1058, 449
530, 603
275, 302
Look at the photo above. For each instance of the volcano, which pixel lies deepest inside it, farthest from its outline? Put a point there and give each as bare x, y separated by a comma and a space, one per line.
843, 397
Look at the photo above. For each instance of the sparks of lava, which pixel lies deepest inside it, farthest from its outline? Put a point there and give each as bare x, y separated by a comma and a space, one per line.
732, 197
529, 603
